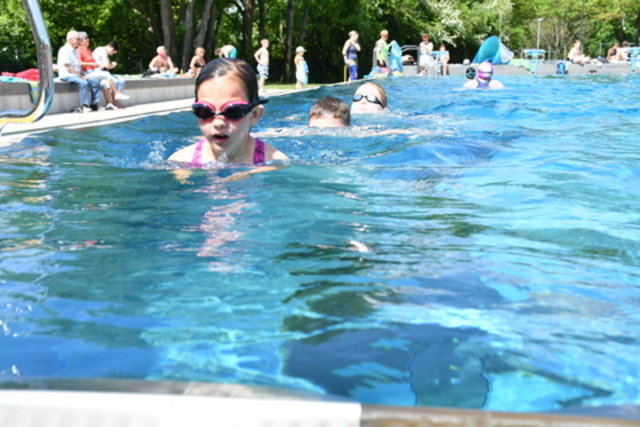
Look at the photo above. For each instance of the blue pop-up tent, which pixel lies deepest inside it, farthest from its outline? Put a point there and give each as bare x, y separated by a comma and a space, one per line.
395, 58
394, 62
494, 51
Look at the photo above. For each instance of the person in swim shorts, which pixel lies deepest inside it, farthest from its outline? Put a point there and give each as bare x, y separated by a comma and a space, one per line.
262, 58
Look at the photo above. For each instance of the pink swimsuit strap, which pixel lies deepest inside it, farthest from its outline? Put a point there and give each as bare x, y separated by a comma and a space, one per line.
258, 152
196, 160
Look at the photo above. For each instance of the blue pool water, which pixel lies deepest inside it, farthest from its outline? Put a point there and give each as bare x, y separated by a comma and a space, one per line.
476, 249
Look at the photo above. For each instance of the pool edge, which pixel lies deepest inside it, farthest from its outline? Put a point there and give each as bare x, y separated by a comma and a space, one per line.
72, 402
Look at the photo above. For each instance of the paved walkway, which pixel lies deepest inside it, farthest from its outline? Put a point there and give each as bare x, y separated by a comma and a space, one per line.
14, 132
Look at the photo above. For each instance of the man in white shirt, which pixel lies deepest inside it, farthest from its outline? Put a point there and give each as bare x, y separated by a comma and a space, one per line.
101, 56
69, 71
425, 59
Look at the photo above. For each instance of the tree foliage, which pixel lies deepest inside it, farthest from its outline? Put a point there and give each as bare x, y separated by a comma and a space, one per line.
320, 25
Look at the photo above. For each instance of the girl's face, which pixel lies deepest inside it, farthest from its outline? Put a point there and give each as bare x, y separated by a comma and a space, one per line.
226, 136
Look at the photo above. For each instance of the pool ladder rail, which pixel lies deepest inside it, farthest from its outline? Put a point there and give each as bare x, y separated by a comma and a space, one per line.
535, 57
45, 68
634, 57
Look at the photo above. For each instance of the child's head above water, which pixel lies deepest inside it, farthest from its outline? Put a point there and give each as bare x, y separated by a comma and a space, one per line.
485, 71
369, 98
227, 106
329, 112
470, 73
231, 67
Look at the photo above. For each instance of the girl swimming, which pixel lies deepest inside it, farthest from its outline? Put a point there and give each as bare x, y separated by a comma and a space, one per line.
227, 106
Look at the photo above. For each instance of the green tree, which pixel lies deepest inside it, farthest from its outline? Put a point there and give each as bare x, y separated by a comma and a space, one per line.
17, 50
321, 25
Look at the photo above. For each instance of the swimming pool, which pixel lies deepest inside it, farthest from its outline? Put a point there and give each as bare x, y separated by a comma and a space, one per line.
467, 247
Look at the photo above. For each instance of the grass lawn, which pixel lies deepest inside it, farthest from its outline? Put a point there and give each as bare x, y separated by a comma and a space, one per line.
280, 86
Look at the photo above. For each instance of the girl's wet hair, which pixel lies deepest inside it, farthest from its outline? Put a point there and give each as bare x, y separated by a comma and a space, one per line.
234, 67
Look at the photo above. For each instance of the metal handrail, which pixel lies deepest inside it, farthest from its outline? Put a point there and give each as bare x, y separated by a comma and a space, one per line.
634, 57
535, 57
45, 68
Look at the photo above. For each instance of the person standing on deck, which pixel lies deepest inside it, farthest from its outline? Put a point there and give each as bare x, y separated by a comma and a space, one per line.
425, 60
350, 53
262, 58
382, 49
302, 70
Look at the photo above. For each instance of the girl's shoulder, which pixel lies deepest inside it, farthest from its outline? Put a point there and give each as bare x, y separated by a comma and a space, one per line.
272, 153
183, 155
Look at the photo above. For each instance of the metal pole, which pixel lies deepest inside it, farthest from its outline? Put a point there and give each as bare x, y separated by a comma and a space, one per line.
581, 22
538, 38
45, 69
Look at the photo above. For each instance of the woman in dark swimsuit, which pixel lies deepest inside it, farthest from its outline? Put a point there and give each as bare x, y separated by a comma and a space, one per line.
350, 53
197, 62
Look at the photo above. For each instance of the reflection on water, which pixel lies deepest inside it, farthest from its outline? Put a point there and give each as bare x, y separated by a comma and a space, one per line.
219, 221
460, 249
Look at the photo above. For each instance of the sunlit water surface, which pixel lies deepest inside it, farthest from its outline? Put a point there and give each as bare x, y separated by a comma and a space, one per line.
474, 249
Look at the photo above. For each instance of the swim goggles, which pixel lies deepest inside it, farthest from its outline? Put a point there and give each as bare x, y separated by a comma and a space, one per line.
233, 111
370, 98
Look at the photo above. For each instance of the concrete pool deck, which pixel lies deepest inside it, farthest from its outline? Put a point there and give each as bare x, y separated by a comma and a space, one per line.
14, 132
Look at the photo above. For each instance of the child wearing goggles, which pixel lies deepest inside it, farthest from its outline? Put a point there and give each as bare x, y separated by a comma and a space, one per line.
227, 107
483, 78
369, 98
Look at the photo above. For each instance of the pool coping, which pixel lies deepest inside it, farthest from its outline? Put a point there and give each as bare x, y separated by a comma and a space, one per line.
112, 402
15, 132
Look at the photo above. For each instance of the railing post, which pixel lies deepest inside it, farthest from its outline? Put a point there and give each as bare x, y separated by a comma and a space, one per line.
45, 69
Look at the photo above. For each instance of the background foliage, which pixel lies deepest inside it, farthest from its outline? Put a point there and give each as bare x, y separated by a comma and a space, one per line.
319, 25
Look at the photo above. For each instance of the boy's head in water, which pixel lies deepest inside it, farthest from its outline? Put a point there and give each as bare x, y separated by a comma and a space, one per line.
329, 112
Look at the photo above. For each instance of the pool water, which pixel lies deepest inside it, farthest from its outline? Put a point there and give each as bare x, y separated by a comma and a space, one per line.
471, 249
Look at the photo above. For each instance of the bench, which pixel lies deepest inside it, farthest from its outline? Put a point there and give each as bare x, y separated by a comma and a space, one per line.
17, 95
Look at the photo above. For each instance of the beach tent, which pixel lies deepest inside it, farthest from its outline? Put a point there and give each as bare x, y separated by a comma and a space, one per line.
394, 62
494, 51
395, 58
